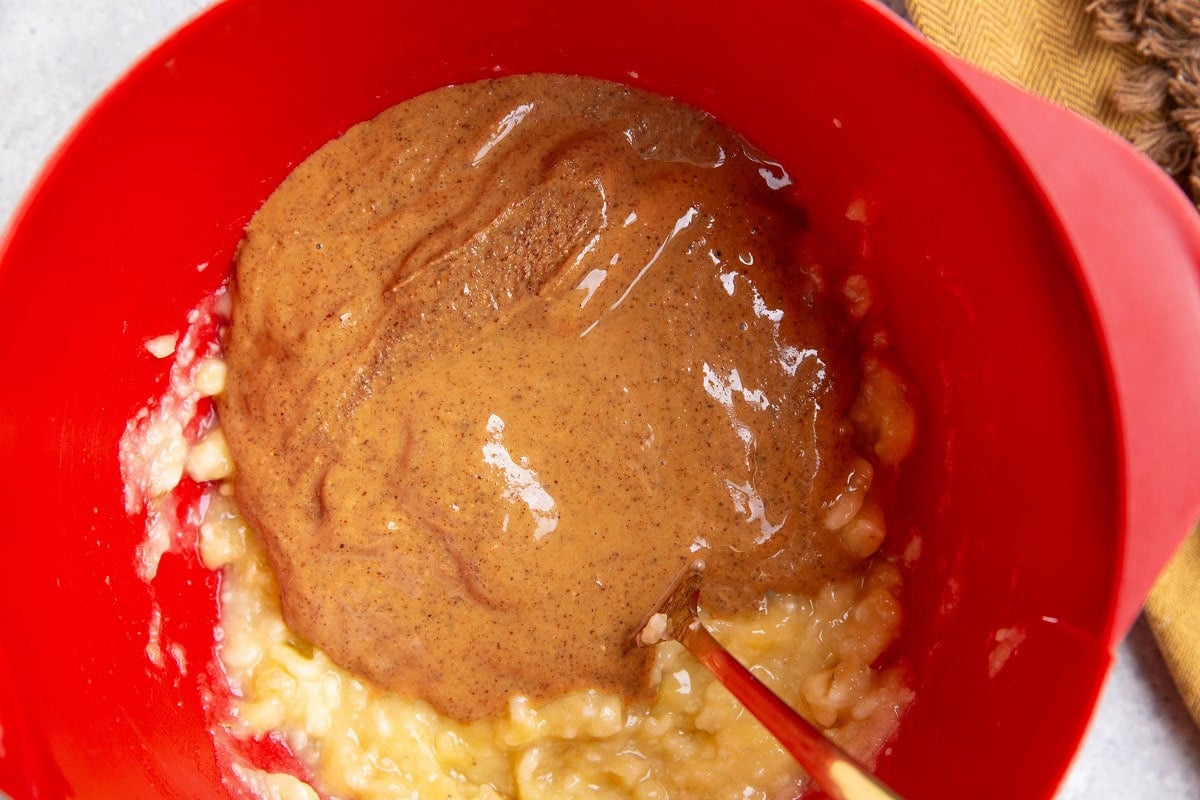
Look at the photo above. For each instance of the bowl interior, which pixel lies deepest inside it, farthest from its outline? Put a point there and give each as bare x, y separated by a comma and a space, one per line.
1012, 490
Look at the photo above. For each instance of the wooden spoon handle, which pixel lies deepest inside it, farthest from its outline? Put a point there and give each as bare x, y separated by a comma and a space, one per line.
837, 773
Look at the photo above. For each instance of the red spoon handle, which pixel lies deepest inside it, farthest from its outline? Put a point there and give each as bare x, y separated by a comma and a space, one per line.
837, 773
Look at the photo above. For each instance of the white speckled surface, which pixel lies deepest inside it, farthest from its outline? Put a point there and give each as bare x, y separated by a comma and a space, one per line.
57, 56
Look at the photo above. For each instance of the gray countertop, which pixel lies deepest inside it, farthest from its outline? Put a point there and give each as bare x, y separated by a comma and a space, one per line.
57, 56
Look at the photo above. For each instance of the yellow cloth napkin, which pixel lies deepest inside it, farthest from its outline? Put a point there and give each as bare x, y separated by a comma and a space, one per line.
1048, 46
1173, 611
1051, 48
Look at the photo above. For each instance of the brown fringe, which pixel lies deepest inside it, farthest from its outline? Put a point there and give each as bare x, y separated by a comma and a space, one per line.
1167, 35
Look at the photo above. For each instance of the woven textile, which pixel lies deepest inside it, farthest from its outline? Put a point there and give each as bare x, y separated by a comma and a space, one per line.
1173, 611
1047, 46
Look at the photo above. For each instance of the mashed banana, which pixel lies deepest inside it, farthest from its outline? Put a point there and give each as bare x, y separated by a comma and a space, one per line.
350, 739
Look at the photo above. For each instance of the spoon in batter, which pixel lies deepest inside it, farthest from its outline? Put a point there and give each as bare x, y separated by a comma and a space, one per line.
675, 617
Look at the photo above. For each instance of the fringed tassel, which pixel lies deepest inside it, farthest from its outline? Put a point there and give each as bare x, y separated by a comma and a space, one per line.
1167, 34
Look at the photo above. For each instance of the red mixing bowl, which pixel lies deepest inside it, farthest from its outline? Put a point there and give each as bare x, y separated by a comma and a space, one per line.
1040, 280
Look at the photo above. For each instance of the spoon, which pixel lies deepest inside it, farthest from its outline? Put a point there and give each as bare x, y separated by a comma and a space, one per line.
836, 772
